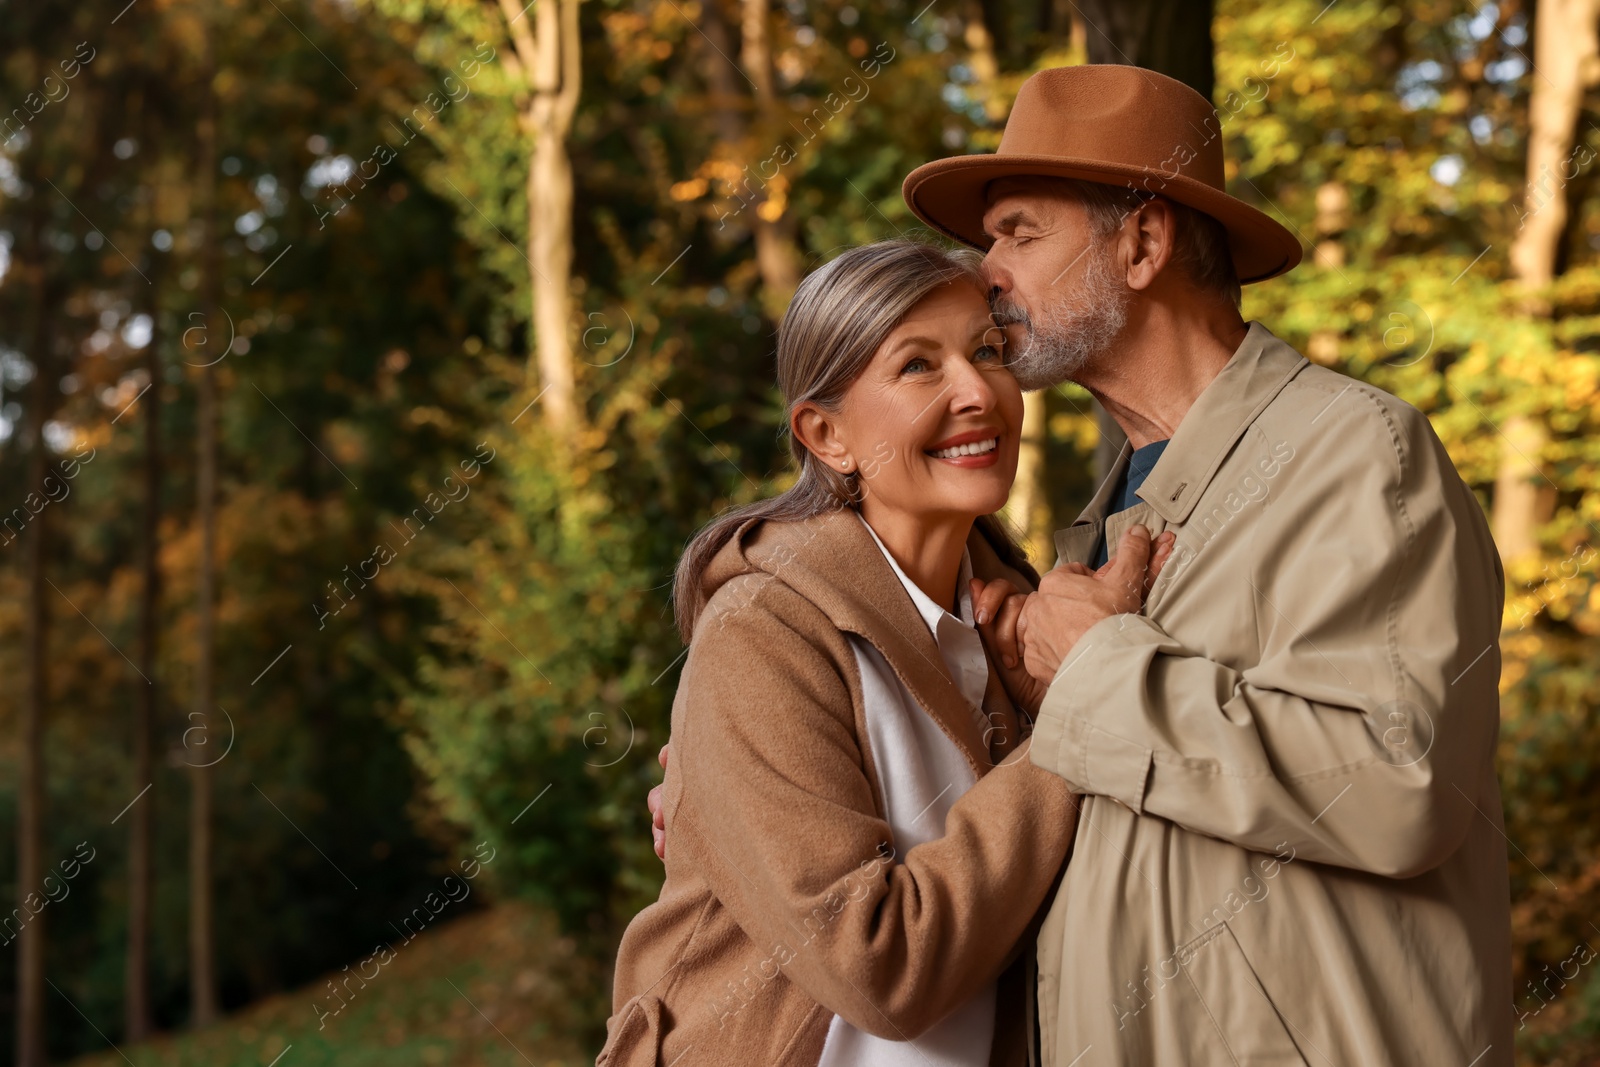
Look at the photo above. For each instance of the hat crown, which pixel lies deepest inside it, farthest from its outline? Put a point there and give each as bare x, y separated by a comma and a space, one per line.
1121, 115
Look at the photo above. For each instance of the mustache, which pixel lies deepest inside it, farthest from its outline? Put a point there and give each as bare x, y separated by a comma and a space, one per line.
1005, 313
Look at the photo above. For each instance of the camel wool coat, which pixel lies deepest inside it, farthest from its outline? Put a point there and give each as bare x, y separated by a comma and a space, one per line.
783, 904
1291, 848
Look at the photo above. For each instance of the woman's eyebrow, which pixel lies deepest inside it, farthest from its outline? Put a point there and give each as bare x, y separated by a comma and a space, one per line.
920, 341
979, 331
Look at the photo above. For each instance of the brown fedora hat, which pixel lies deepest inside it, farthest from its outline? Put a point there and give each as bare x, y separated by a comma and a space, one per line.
1118, 125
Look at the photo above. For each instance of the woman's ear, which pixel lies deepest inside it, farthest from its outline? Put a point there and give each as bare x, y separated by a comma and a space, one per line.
819, 433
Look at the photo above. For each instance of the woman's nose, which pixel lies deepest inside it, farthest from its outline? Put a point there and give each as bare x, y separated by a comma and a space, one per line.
970, 389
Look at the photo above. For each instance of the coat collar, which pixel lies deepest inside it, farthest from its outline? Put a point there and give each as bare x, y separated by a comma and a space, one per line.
1255, 374
1077, 542
831, 561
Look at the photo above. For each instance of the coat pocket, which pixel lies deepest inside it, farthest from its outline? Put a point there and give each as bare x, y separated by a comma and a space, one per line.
636, 1035
1247, 1023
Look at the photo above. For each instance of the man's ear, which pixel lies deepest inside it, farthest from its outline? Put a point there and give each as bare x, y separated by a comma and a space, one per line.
818, 431
1154, 227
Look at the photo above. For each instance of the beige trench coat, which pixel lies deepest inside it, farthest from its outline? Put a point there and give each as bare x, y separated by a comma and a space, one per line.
1292, 846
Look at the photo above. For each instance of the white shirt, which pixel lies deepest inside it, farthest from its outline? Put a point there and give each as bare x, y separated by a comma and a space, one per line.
921, 772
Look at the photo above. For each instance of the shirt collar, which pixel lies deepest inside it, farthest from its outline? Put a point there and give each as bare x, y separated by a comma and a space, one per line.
956, 638
1257, 372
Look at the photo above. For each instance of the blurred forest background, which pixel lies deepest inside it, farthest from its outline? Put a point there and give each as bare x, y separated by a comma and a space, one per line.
366, 364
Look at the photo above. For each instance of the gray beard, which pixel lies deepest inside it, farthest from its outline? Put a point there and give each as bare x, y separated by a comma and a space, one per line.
1066, 339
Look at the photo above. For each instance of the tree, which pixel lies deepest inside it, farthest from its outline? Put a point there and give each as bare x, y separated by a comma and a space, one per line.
547, 65
202, 922
31, 787
1168, 36
744, 123
49, 290
1566, 50
137, 1021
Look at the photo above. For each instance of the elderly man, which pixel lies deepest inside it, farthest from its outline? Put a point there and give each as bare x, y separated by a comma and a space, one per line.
1291, 847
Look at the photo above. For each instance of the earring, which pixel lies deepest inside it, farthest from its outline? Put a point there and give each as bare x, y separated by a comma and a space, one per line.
845, 465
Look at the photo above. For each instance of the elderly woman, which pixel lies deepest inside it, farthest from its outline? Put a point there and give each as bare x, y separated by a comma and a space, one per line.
859, 843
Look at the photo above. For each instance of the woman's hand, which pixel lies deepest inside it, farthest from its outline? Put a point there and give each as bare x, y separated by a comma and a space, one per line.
996, 608
658, 812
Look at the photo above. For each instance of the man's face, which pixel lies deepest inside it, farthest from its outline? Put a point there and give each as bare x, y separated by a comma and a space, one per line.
1054, 281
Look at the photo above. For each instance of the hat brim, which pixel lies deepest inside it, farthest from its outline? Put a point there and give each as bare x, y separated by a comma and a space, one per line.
949, 195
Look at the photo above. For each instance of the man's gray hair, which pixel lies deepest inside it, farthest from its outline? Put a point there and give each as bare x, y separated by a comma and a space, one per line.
1201, 246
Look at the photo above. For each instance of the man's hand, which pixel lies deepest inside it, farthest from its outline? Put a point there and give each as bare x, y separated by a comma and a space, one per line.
1070, 600
997, 609
658, 818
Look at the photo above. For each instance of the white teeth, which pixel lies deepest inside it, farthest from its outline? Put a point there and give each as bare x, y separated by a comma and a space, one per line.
975, 448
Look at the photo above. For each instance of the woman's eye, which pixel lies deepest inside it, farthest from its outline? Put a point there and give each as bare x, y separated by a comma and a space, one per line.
916, 366
988, 354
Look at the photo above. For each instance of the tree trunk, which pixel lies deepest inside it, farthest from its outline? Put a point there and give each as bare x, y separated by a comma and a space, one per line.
1171, 37
1521, 504
137, 1024
777, 250
202, 927
984, 62
1029, 505
548, 57
1567, 55
31, 791
737, 117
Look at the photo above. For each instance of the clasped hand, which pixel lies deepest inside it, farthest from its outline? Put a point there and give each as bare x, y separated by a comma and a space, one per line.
1029, 635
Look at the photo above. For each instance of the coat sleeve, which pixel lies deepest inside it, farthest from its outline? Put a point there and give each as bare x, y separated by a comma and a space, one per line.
775, 810
1363, 733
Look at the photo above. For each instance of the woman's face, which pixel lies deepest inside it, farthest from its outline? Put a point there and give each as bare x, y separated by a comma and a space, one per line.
932, 425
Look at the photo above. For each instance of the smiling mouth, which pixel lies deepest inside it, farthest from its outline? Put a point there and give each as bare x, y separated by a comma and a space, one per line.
972, 448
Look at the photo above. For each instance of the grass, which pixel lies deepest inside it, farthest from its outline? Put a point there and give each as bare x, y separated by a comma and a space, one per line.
487, 990
493, 989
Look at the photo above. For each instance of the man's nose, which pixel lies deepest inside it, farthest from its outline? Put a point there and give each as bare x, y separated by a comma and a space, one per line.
995, 274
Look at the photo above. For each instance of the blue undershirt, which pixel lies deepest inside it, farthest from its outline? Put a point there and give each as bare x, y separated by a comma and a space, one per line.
1140, 464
